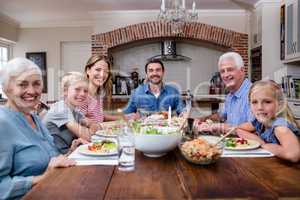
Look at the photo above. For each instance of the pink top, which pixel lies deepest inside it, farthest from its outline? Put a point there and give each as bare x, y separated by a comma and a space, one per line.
93, 109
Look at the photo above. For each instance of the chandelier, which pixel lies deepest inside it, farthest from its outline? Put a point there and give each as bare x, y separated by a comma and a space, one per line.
175, 13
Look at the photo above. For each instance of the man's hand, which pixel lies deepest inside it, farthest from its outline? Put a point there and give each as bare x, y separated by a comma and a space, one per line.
132, 116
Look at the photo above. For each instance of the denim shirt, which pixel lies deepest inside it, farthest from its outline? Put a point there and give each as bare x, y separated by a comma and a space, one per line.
268, 134
24, 152
236, 107
143, 98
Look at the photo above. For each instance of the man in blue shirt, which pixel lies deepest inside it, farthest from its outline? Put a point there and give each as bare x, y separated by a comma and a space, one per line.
154, 95
236, 107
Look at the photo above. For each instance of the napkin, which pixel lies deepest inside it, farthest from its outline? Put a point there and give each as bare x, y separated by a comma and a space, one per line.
260, 152
93, 160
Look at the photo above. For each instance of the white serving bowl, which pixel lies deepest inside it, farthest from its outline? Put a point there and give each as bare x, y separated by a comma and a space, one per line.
156, 145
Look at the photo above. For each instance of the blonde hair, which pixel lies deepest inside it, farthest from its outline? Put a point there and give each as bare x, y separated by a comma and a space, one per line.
277, 93
71, 78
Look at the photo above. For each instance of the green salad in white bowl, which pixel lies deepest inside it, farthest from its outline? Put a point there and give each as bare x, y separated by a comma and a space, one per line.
155, 140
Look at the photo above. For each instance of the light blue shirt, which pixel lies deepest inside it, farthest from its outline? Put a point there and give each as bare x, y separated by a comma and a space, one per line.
24, 152
268, 134
236, 107
143, 98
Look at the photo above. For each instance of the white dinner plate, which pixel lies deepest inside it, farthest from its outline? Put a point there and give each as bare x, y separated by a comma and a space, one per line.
105, 133
252, 144
83, 149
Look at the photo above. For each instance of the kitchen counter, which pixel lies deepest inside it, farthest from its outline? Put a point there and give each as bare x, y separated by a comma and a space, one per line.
201, 100
120, 96
199, 97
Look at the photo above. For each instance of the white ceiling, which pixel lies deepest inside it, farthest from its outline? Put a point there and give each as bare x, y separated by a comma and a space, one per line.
30, 11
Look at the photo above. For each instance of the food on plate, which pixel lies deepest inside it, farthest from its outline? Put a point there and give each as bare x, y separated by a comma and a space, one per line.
235, 142
209, 122
104, 146
154, 117
177, 121
164, 114
157, 116
199, 151
240, 144
111, 128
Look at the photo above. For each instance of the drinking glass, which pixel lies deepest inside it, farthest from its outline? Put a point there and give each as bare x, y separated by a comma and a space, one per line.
190, 131
126, 150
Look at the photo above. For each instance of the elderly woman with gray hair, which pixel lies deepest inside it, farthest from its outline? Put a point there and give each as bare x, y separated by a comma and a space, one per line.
27, 150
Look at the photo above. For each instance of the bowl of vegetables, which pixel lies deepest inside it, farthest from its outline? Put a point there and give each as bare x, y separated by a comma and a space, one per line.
155, 140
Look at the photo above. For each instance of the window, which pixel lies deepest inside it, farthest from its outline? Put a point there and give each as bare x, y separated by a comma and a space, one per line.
4, 57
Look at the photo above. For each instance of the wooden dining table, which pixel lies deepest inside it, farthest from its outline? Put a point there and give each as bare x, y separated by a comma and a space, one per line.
173, 177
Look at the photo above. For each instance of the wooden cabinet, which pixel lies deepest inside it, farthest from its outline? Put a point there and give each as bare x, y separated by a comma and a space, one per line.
292, 30
256, 61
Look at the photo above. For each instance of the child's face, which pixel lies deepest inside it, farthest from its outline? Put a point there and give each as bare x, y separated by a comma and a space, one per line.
263, 105
77, 93
98, 73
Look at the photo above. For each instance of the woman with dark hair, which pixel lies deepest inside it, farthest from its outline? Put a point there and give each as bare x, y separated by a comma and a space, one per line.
98, 72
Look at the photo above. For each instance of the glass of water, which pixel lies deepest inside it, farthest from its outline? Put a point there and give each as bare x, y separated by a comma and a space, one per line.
126, 150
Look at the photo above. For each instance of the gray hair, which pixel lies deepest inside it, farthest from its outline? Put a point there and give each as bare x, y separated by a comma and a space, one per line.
237, 58
15, 67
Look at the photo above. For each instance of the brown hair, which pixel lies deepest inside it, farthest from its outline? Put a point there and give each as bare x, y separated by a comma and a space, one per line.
108, 83
154, 61
278, 94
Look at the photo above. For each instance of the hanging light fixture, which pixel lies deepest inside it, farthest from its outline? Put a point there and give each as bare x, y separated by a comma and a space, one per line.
175, 12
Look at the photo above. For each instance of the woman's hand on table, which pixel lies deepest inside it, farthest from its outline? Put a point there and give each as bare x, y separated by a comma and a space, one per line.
55, 162
60, 161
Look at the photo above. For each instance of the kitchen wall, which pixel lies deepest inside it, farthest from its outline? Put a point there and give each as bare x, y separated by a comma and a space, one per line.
9, 29
49, 40
193, 75
265, 23
271, 42
236, 20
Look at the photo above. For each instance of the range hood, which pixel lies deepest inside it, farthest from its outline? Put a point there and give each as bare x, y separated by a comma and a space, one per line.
168, 52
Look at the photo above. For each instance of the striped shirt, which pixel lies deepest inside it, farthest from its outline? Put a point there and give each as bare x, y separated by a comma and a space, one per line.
93, 108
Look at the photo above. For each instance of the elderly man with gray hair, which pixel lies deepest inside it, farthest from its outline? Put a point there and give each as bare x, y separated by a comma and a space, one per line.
236, 107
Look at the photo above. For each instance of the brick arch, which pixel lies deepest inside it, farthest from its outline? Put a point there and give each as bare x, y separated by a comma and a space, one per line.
231, 40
